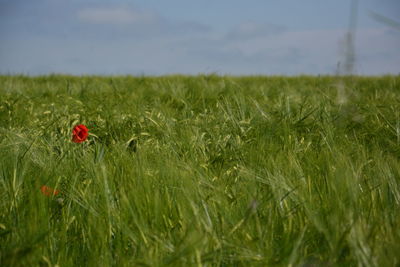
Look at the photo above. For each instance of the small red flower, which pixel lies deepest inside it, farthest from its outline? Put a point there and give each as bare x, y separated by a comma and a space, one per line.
79, 133
48, 191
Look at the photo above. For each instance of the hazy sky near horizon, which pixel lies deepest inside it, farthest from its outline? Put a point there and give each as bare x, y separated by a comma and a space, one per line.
152, 37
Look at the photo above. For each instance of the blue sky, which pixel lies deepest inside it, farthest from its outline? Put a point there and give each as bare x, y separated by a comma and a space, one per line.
152, 37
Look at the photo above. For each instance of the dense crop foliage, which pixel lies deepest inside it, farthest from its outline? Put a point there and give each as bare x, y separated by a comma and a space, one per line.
206, 170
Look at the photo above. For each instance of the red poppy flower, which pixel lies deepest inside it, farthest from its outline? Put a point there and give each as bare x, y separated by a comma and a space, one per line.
79, 133
48, 191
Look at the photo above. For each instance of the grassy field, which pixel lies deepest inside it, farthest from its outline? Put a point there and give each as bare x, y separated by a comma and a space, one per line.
200, 171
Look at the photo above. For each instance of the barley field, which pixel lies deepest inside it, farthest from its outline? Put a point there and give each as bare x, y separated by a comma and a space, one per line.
200, 170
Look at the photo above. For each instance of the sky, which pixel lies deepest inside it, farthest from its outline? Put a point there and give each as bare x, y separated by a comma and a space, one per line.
158, 37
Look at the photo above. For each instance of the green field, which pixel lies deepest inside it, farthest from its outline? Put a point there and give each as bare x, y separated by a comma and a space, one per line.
200, 171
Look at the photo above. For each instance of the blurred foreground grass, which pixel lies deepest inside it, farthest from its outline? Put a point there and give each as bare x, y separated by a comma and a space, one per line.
204, 170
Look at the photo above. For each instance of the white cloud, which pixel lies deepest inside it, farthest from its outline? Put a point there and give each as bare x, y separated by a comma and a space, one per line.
115, 15
249, 30
126, 22
296, 52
